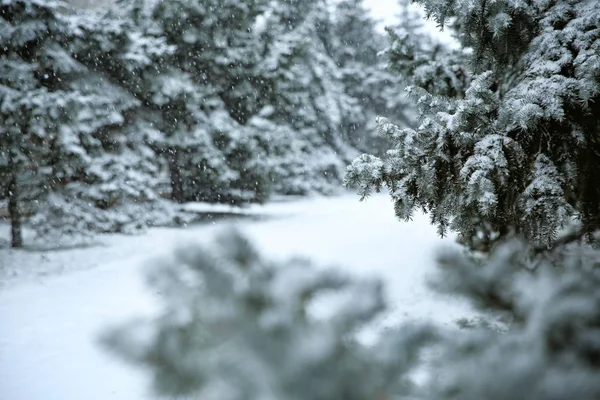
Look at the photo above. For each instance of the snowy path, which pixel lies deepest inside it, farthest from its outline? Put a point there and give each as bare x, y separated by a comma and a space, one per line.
49, 326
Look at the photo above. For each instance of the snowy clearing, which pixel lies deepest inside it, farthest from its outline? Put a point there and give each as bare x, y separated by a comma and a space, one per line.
51, 320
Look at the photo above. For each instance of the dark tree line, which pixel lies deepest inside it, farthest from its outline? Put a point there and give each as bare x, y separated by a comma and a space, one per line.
106, 112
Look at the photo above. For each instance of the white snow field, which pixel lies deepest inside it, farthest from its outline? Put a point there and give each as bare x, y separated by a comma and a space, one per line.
52, 315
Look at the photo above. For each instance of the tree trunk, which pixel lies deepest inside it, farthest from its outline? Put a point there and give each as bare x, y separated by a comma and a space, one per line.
175, 174
13, 209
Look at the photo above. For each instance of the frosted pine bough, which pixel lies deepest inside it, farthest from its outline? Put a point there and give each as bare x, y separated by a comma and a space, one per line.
519, 150
234, 325
549, 351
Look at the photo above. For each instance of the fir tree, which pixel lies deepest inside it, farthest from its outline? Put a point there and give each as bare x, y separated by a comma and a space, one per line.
125, 45
356, 50
30, 109
216, 53
81, 167
515, 151
323, 103
48, 110
304, 93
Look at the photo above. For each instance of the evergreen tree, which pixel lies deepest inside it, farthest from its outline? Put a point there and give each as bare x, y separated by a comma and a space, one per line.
231, 100
216, 44
422, 61
227, 86
303, 95
86, 164
356, 50
518, 149
29, 108
310, 84
180, 60
298, 162
215, 55
49, 110
125, 45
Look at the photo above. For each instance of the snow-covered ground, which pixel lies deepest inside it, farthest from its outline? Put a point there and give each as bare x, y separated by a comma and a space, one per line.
52, 313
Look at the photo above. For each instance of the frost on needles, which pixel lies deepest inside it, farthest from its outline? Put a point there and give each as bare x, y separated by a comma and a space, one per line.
517, 149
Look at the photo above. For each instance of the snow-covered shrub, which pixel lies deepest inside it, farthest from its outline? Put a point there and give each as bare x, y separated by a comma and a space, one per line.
65, 220
235, 326
552, 348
